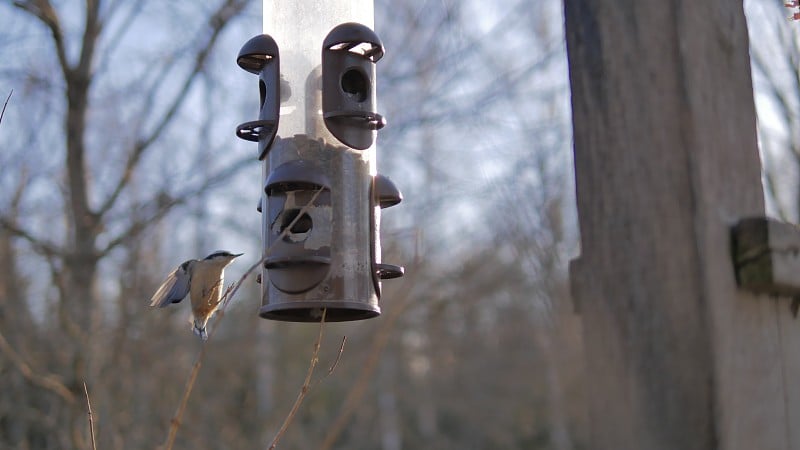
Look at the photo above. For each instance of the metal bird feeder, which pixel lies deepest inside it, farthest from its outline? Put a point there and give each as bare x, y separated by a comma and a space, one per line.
321, 195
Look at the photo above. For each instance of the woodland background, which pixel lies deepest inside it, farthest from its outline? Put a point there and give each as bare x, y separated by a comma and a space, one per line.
118, 161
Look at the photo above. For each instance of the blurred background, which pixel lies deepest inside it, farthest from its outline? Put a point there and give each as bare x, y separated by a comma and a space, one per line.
118, 161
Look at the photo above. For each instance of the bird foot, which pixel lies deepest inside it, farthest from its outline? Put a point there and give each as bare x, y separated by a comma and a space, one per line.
201, 332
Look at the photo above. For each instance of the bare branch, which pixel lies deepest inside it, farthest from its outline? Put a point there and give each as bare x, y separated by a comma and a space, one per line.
770, 183
164, 203
334, 364
772, 86
221, 17
113, 41
773, 66
48, 382
91, 31
466, 46
43, 10
38, 244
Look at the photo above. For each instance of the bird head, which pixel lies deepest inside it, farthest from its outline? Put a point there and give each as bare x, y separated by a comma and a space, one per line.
222, 256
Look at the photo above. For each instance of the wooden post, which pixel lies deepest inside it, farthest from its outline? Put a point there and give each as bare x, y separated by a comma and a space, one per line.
678, 357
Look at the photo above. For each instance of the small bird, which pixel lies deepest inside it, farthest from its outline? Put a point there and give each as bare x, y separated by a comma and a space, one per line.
203, 279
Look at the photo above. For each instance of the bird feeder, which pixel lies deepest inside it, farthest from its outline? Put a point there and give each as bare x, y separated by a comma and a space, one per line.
321, 194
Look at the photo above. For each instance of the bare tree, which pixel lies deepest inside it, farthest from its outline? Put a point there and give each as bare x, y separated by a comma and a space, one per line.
100, 206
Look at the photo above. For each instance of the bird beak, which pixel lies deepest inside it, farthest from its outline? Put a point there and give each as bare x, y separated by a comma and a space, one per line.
238, 255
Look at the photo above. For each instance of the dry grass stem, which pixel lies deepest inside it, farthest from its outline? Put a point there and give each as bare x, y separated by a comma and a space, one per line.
91, 419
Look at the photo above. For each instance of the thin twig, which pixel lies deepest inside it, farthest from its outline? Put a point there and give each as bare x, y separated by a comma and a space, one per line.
91, 420
3, 112
306, 385
175, 423
334, 364
338, 356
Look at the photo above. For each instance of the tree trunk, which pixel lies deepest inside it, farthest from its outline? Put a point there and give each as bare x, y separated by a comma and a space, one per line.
80, 267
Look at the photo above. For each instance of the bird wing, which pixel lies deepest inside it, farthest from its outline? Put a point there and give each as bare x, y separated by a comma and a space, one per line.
174, 288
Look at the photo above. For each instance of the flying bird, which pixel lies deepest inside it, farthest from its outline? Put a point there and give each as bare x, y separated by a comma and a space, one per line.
203, 279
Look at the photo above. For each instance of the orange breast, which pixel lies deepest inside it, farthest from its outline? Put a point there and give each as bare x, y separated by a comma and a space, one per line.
206, 299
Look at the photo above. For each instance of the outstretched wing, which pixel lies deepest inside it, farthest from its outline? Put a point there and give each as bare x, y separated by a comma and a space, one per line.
174, 288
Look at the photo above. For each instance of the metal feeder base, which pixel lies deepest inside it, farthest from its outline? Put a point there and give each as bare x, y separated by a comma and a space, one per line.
312, 311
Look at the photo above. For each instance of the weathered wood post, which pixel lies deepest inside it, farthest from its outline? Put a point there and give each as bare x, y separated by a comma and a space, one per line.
678, 356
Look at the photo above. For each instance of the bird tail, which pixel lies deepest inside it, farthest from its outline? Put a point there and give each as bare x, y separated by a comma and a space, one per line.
199, 328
